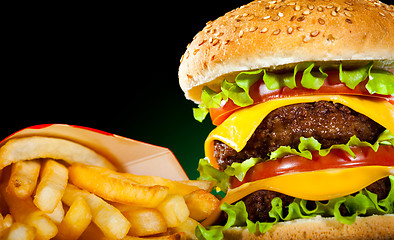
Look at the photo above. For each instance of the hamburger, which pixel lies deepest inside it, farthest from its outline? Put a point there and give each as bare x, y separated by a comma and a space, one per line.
302, 96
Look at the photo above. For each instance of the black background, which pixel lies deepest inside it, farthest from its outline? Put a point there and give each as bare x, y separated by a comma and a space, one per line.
108, 66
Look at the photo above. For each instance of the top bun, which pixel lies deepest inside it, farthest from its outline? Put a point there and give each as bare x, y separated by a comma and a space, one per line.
278, 34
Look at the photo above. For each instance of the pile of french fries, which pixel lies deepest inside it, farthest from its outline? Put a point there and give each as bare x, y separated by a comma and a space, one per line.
68, 198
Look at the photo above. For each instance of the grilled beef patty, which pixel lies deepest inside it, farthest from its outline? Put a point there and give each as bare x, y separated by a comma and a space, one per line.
329, 123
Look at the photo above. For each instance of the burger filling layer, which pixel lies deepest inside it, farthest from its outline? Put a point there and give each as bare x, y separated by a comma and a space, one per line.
258, 204
329, 123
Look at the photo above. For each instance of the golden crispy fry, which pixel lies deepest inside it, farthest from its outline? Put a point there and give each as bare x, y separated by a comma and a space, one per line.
114, 186
145, 221
109, 219
201, 204
58, 214
174, 210
175, 236
24, 211
5, 223
175, 187
77, 219
201, 184
50, 189
20, 231
188, 227
30, 148
23, 178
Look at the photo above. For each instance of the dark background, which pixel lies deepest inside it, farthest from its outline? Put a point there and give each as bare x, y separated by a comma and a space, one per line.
110, 67
106, 66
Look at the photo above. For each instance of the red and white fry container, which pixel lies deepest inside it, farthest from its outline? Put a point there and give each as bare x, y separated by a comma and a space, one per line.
126, 154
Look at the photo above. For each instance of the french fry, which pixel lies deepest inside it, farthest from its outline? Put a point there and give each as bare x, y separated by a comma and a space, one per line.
188, 227
175, 236
5, 223
23, 178
77, 219
109, 219
50, 189
20, 231
58, 214
145, 221
201, 184
175, 187
24, 211
174, 210
201, 204
114, 186
29, 148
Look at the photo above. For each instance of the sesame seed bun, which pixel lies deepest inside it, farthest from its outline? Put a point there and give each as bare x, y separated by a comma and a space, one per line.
279, 34
373, 227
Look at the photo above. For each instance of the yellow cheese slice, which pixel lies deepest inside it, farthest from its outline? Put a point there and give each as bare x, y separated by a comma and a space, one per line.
236, 130
316, 185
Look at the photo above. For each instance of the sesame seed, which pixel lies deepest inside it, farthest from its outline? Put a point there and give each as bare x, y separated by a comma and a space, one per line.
306, 39
311, 7
196, 51
280, 14
290, 30
264, 30
215, 42
321, 21
226, 42
202, 42
306, 12
276, 18
266, 17
382, 14
276, 32
349, 9
333, 13
210, 40
348, 14
241, 33
187, 54
320, 9
300, 29
315, 33
300, 19
329, 6
213, 57
297, 8
252, 29
338, 9
348, 20
293, 18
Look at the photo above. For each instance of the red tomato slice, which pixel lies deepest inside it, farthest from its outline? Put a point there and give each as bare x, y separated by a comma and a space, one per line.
365, 156
260, 93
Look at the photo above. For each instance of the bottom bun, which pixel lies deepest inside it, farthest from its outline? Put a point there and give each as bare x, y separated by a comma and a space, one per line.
373, 227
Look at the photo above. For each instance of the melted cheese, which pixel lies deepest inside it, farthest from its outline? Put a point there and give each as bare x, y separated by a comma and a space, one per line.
316, 185
236, 130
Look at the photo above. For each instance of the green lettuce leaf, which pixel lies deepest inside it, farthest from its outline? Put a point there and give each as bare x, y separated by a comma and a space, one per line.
208, 172
313, 80
379, 81
352, 78
239, 169
363, 203
310, 144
